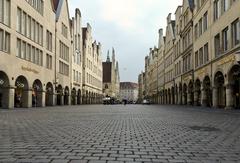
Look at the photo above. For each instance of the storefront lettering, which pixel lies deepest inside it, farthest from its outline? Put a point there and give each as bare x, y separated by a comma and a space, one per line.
29, 70
226, 60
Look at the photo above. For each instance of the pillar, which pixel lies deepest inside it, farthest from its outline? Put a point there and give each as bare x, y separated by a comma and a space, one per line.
69, 99
215, 97
196, 98
62, 100
8, 98
179, 97
229, 97
43, 102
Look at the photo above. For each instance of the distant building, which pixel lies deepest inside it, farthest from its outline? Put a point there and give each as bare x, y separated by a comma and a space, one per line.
141, 90
111, 77
129, 91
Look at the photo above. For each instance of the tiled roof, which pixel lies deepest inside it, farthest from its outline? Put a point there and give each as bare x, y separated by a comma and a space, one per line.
55, 4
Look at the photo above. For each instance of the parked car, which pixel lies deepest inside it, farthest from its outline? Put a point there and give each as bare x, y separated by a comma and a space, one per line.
146, 102
107, 100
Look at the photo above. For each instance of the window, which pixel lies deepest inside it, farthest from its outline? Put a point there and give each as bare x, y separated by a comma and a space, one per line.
4, 41
217, 45
37, 5
18, 48
225, 5
64, 30
64, 51
205, 21
19, 19
1, 39
5, 12
225, 39
49, 41
217, 9
235, 33
63, 68
201, 56
196, 31
196, 59
49, 61
206, 53
200, 27
23, 48
24, 24
28, 52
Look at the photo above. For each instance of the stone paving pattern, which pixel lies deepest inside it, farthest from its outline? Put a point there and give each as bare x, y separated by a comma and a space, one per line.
118, 134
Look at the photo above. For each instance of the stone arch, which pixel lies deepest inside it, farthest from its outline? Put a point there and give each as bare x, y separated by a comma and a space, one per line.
180, 93
219, 90
4, 91
169, 96
49, 100
185, 94
172, 95
206, 92
59, 91
74, 96
197, 93
176, 90
190, 93
79, 97
21, 96
37, 93
66, 96
87, 97
234, 87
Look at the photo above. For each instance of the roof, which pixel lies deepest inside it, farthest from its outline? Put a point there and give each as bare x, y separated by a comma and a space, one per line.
55, 4
128, 85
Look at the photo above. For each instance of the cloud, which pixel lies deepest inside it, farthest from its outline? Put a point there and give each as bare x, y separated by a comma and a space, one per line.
122, 13
131, 26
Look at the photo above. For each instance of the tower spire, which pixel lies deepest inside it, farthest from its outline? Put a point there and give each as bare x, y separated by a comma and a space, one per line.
108, 57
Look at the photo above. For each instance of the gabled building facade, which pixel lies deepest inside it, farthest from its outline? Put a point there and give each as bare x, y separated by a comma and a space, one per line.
205, 39
46, 48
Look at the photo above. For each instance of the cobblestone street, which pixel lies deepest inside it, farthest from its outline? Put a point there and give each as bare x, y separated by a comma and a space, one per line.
119, 134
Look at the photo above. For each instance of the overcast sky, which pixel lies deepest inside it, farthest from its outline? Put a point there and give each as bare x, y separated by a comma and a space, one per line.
130, 26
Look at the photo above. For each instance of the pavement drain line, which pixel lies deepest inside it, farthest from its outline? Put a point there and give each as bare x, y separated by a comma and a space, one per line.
204, 129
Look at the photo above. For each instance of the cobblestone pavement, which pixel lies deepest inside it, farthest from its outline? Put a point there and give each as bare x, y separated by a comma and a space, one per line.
118, 134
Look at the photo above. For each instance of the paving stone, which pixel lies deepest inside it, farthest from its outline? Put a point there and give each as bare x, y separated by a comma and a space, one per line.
133, 133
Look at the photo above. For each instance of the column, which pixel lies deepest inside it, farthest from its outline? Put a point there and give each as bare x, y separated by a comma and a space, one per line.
69, 99
179, 97
215, 97
62, 100
43, 102
8, 98
176, 97
229, 97
196, 98
76, 100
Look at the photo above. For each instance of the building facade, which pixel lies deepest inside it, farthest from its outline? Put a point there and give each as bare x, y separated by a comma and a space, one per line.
111, 77
141, 90
129, 91
45, 46
92, 68
205, 63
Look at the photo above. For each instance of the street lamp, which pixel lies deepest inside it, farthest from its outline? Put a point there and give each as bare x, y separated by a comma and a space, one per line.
1, 82
20, 85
